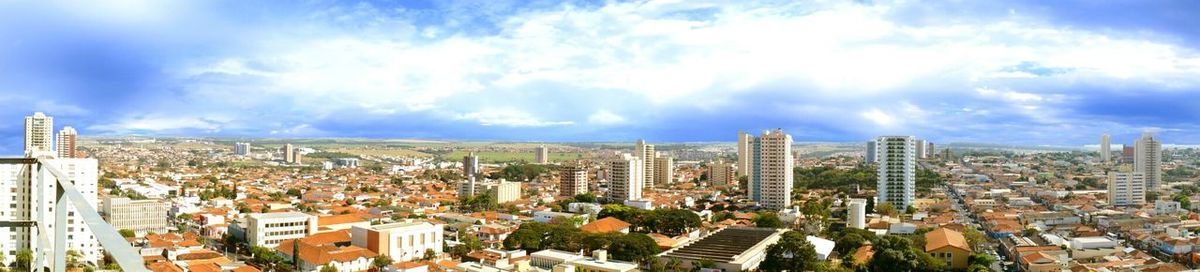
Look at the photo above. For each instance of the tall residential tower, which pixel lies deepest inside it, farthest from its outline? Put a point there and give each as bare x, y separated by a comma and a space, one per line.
39, 134
897, 157
1148, 160
771, 170
1105, 148
646, 152
67, 143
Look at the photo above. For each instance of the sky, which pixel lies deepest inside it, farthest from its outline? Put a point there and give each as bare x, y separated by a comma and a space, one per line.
1014, 72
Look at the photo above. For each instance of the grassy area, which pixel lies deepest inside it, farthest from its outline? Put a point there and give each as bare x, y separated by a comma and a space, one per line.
381, 152
497, 156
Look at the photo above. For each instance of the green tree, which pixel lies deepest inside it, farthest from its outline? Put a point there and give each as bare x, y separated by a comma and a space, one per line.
768, 220
974, 238
24, 260
885, 209
848, 243
895, 253
429, 254
127, 233
266, 259
381, 261
979, 262
792, 253
632, 247
329, 268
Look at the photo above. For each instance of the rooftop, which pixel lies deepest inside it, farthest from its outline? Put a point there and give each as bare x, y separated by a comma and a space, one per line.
724, 245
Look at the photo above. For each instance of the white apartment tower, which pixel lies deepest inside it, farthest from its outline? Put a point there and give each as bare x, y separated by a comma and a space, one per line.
241, 149
1126, 188
541, 155
647, 153
574, 181
1148, 160
67, 143
470, 164
23, 198
39, 133
664, 171
856, 213
289, 153
771, 170
897, 158
1105, 148
743, 153
625, 178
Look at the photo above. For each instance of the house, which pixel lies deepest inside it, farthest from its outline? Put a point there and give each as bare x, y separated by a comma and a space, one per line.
1040, 262
949, 246
604, 225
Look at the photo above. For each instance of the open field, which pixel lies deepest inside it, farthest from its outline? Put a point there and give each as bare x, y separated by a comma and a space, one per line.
498, 156
381, 152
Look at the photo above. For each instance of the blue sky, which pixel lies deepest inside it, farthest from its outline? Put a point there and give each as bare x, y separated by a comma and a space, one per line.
1019, 72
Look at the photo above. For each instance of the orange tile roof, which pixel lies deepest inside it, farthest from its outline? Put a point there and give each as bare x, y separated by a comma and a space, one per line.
943, 237
339, 219
246, 268
208, 267
164, 267
607, 224
323, 254
864, 254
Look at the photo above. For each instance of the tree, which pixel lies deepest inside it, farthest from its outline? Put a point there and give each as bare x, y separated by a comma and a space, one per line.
429, 254
1184, 202
24, 259
381, 261
793, 252
980, 262
328, 268
870, 205
74, 259
127, 233
885, 209
1151, 196
632, 247
848, 243
768, 220
910, 210
895, 253
974, 238
267, 260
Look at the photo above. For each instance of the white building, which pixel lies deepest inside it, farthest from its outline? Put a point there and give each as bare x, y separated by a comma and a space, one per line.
664, 171
897, 158
625, 180
241, 149
541, 155
1126, 188
268, 229
39, 133
404, 241
823, 246
501, 191
140, 216
647, 154
771, 166
856, 213
1105, 148
26, 201
744, 153
573, 181
1148, 160
67, 140
470, 164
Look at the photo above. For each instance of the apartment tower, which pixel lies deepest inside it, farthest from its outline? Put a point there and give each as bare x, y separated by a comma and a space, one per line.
39, 132
573, 181
625, 178
1126, 188
897, 157
1105, 148
1148, 160
771, 166
66, 143
647, 154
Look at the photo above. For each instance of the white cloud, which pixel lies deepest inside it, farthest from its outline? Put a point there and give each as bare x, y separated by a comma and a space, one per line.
878, 117
158, 124
508, 117
605, 117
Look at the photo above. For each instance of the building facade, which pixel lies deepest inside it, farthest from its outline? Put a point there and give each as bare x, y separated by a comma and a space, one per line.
241, 149
664, 171
856, 214
770, 182
67, 143
23, 200
1105, 148
140, 216
541, 155
268, 229
470, 164
721, 173
39, 132
744, 153
573, 181
1126, 188
625, 181
647, 154
1148, 160
404, 241
897, 158
869, 157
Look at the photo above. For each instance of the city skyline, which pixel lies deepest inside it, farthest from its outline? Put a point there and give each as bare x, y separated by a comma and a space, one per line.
666, 72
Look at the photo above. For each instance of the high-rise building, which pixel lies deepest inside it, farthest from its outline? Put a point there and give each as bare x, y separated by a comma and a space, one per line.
26, 199
140, 216
67, 144
500, 191
870, 156
241, 149
921, 145
647, 154
1105, 148
470, 164
897, 156
771, 170
856, 213
721, 173
1126, 188
664, 171
743, 153
1148, 160
625, 180
39, 133
297, 156
1127, 154
541, 155
574, 181
289, 153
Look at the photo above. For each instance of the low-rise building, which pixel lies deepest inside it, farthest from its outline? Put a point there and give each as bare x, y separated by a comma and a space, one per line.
404, 241
741, 248
140, 216
269, 229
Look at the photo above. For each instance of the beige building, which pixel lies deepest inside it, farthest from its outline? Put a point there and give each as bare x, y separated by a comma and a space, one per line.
140, 216
573, 181
771, 176
949, 246
647, 154
291, 154
1126, 188
721, 173
268, 229
743, 153
541, 155
1148, 160
39, 130
66, 143
625, 181
405, 241
501, 191
664, 171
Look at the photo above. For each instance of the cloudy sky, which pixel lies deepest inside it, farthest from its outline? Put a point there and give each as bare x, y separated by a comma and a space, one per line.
1016, 72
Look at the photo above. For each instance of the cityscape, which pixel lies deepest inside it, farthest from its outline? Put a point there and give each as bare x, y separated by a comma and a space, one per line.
614, 136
